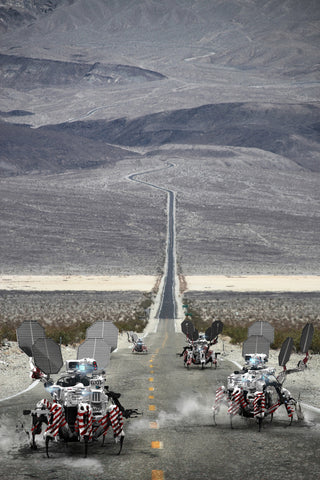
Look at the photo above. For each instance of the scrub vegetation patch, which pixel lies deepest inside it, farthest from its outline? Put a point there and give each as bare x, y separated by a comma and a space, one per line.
66, 316
288, 313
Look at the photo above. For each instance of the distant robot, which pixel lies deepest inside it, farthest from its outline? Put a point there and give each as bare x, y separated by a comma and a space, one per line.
138, 344
198, 351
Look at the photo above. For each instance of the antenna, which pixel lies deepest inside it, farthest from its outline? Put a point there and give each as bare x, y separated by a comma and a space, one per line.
255, 344
285, 351
28, 332
47, 355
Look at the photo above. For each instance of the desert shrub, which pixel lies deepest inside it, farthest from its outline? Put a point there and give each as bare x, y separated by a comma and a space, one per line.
315, 345
195, 317
137, 319
281, 335
237, 333
288, 313
66, 316
146, 302
7, 332
67, 334
135, 323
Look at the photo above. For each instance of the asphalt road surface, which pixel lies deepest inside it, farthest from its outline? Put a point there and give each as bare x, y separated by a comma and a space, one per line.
175, 437
168, 303
167, 307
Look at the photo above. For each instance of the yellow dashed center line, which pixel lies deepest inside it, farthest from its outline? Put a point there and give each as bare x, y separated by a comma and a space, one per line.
156, 444
165, 339
157, 475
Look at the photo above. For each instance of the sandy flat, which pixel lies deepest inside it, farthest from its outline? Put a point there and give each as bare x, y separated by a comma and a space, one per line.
145, 283
47, 283
254, 283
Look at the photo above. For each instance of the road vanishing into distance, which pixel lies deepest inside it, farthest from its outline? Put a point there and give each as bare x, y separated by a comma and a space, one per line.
174, 438
168, 302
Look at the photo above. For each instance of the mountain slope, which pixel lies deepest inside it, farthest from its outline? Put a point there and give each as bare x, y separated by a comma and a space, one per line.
24, 150
288, 130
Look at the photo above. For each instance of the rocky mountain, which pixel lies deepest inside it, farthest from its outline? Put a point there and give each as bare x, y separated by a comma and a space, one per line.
26, 150
217, 100
291, 130
15, 13
22, 73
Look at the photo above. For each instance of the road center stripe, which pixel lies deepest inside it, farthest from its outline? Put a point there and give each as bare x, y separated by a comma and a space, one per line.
157, 475
156, 444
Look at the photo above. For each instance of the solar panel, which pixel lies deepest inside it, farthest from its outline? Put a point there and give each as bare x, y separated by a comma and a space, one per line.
106, 330
285, 351
214, 330
255, 344
95, 348
134, 337
216, 327
28, 332
187, 327
47, 355
208, 333
306, 337
194, 335
262, 328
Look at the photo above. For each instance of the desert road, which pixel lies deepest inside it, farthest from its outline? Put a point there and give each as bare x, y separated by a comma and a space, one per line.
168, 305
175, 437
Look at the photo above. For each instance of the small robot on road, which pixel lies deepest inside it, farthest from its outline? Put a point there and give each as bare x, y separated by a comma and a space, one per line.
197, 351
138, 345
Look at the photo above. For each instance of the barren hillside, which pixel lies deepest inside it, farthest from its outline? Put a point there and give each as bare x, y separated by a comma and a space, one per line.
226, 92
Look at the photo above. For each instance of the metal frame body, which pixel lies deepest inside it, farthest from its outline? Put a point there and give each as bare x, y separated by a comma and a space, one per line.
81, 407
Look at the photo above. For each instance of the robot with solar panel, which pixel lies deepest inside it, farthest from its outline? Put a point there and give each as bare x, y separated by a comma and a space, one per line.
81, 407
256, 391
197, 351
138, 345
